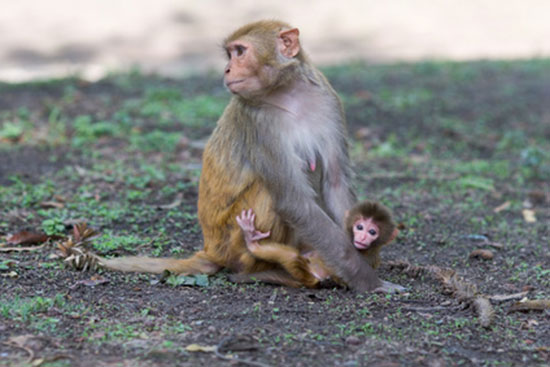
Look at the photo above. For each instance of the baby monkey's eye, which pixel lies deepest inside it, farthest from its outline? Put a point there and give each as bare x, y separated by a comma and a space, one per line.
359, 227
372, 232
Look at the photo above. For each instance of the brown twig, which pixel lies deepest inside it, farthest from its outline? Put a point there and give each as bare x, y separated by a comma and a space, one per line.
455, 285
28, 350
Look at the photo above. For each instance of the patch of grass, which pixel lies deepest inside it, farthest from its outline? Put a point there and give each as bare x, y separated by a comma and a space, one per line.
53, 226
155, 141
86, 131
445, 144
30, 311
25, 194
109, 242
11, 130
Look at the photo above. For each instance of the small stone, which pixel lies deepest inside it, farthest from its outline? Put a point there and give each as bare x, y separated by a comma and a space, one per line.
353, 340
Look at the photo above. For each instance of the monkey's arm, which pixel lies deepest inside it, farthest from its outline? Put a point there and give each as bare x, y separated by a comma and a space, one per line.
288, 257
295, 201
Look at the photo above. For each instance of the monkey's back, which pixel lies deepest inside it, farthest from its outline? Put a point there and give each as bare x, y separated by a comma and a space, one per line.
226, 188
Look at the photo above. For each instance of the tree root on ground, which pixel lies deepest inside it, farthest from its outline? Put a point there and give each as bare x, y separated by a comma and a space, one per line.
452, 284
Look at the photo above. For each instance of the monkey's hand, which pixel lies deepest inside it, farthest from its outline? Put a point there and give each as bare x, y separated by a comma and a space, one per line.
389, 287
251, 234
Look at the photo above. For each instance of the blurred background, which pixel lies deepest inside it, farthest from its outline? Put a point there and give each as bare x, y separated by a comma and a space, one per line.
43, 39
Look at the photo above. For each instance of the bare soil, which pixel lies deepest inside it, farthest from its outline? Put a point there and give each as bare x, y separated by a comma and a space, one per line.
135, 320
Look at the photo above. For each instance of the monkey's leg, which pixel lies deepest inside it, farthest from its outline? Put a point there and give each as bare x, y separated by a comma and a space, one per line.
289, 258
275, 276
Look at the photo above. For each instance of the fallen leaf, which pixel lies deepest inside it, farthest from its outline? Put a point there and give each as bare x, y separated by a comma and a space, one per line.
51, 205
7, 264
363, 133
177, 202
82, 232
26, 238
529, 324
531, 305
538, 197
484, 254
199, 280
496, 245
502, 207
200, 348
11, 274
92, 282
529, 215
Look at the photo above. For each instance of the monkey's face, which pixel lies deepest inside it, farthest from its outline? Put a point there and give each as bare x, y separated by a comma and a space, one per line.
243, 72
365, 232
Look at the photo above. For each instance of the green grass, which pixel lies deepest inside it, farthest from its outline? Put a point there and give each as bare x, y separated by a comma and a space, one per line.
446, 143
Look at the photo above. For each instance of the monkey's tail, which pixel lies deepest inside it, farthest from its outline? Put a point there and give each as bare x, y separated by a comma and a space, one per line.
199, 263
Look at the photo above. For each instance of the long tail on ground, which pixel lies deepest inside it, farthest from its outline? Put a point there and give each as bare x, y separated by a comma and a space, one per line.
199, 263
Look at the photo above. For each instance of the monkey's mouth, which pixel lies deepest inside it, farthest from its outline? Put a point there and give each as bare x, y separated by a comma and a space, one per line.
233, 82
361, 246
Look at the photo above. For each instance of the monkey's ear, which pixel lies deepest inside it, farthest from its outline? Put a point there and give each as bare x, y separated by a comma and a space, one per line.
393, 235
290, 42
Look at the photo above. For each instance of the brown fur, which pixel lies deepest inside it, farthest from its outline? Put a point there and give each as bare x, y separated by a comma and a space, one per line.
257, 157
382, 216
302, 268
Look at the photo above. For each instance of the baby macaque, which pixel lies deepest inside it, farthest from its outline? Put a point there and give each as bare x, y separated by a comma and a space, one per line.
369, 225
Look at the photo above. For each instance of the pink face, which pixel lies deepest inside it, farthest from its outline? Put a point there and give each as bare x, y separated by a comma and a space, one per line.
365, 232
242, 72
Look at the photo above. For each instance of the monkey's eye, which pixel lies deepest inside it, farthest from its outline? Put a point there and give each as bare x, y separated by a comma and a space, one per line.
372, 232
359, 227
240, 50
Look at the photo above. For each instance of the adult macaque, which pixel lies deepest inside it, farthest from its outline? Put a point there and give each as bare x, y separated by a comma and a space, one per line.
279, 148
369, 225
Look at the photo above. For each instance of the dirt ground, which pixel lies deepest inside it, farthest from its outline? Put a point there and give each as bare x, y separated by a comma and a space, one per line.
459, 151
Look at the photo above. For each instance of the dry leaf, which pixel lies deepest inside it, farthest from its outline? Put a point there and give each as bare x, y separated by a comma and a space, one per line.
496, 245
27, 238
92, 282
11, 274
484, 254
81, 232
502, 207
529, 324
200, 348
529, 215
363, 133
531, 305
177, 202
51, 205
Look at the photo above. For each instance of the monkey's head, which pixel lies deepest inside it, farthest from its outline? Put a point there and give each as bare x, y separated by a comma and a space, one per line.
370, 225
261, 57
